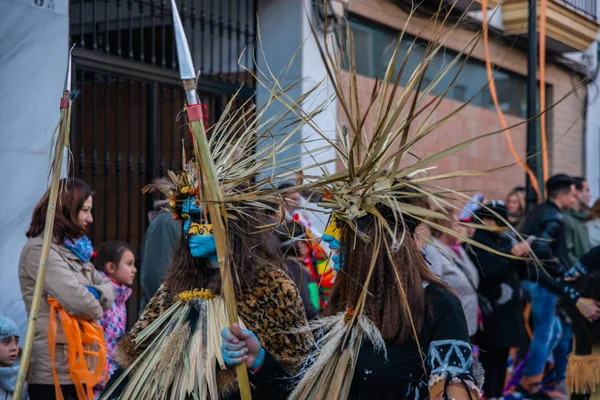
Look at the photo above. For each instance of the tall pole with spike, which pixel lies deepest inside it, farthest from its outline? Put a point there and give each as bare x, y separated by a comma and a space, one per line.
62, 141
209, 182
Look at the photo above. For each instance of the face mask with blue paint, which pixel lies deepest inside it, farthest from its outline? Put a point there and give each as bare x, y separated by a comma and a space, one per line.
332, 237
198, 234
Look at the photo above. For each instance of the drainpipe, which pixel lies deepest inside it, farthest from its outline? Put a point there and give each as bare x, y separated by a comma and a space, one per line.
531, 146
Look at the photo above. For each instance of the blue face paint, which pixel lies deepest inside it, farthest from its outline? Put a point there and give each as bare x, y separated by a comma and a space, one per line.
336, 262
191, 207
203, 246
334, 244
199, 235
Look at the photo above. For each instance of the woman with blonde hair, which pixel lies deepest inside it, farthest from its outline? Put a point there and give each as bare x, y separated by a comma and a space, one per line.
593, 225
515, 205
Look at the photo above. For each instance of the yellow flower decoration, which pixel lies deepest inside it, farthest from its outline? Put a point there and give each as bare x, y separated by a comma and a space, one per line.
202, 294
185, 190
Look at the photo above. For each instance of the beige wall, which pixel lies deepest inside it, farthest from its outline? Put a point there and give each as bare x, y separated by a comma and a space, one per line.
567, 117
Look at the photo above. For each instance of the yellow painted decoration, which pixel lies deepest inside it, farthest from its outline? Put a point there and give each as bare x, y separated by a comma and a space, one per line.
332, 229
202, 294
200, 229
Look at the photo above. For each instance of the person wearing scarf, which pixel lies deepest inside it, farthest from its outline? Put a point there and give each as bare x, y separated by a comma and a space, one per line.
73, 290
10, 358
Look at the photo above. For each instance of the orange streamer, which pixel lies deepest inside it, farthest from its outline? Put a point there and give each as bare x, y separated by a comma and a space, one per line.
494, 94
543, 7
78, 333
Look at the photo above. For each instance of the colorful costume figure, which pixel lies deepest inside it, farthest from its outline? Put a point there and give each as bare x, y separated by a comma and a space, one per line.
178, 330
583, 368
317, 261
173, 351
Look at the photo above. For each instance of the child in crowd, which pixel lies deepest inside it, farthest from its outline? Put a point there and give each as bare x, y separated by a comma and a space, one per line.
116, 261
10, 356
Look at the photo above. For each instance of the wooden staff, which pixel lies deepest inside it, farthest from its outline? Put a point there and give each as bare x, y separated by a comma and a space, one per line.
210, 183
62, 141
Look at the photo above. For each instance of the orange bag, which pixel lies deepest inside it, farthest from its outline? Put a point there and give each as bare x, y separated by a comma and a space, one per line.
79, 334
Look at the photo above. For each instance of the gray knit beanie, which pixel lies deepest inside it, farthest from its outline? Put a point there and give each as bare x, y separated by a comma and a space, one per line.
7, 327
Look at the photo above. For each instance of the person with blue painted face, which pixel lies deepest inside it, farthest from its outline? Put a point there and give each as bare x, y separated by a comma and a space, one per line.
268, 301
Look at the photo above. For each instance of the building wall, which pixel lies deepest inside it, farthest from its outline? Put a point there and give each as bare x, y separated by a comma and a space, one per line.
567, 117
592, 139
33, 64
289, 50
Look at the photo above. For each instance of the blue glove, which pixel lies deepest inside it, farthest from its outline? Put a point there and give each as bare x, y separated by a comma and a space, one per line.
334, 246
236, 347
94, 291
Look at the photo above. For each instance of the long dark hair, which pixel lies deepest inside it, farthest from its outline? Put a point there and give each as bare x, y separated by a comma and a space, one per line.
73, 193
384, 304
249, 250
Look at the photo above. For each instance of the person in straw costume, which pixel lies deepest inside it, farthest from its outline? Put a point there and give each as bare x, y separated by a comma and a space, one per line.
173, 350
392, 329
393, 363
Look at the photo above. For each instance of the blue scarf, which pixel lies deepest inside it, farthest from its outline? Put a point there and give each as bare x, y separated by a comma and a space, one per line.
81, 247
8, 376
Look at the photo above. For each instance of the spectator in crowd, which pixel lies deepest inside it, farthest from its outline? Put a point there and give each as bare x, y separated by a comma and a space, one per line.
160, 239
466, 214
515, 206
73, 289
577, 244
503, 324
582, 371
576, 234
293, 244
10, 357
543, 286
593, 225
116, 262
449, 260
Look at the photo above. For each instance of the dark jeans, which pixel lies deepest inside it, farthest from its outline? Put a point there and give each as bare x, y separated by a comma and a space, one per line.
543, 311
46, 392
494, 361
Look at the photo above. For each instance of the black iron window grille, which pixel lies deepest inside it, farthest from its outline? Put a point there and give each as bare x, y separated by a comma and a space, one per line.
127, 128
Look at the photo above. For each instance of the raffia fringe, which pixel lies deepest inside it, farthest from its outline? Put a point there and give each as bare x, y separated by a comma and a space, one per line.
583, 373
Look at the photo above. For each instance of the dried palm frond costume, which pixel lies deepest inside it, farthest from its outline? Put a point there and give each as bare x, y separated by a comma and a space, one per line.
173, 350
393, 330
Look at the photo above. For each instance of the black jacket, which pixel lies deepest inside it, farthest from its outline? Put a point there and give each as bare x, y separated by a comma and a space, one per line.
584, 278
499, 284
444, 340
545, 223
550, 247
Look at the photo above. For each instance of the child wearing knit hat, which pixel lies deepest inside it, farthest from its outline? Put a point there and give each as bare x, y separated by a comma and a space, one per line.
9, 358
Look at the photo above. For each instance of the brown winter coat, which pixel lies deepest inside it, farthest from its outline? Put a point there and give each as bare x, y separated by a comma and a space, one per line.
66, 280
